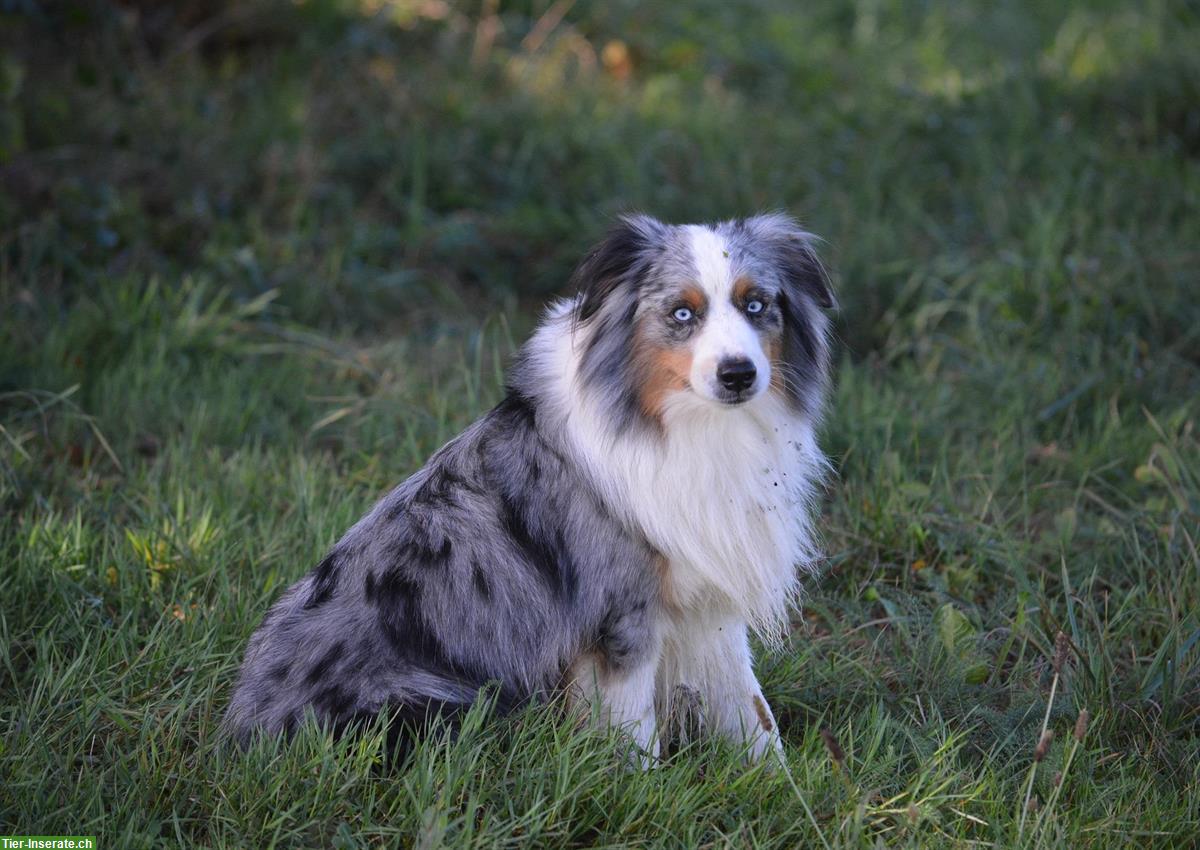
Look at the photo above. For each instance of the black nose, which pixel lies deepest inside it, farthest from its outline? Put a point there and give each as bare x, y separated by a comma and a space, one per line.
736, 374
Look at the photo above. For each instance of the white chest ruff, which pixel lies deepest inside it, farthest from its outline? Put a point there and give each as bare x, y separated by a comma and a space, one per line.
724, 494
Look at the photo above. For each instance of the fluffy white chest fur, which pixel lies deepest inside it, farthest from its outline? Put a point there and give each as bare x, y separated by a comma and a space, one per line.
724, 494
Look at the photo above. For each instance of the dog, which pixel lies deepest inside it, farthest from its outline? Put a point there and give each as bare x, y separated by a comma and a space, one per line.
639, 503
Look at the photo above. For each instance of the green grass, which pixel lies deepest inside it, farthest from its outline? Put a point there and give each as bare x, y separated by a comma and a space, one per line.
258, 260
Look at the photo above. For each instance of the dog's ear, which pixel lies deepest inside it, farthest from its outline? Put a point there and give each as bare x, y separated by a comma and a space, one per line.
621, 259
805, 290
802, 269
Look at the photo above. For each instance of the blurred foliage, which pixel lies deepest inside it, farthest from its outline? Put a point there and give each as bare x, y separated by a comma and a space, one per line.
399, 147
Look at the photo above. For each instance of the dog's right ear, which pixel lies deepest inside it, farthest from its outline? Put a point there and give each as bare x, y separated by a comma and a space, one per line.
620, 260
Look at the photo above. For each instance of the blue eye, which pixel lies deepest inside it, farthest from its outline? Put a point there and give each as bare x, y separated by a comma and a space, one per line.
683, 315
754, 306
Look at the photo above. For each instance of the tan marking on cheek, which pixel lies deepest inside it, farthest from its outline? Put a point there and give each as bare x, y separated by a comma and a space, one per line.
764, 716
660, 372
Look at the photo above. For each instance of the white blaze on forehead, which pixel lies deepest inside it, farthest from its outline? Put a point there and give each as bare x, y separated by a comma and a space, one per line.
711, 257
725, 332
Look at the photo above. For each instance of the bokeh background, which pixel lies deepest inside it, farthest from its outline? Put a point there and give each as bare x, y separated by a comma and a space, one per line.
258, 259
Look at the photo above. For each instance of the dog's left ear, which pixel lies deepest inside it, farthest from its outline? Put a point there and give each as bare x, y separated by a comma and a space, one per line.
620, 260
801, 267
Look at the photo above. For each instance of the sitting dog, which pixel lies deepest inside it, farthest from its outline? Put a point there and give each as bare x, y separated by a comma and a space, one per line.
639, 502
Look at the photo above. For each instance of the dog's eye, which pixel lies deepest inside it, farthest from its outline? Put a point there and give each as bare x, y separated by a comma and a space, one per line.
683, 315
754, 306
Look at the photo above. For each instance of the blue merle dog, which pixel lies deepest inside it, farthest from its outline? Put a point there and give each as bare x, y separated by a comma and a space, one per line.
639, 503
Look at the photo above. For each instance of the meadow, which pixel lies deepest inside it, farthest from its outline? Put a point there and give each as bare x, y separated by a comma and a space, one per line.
259, 259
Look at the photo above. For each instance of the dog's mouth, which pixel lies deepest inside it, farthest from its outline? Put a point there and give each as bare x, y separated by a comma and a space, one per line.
727, 398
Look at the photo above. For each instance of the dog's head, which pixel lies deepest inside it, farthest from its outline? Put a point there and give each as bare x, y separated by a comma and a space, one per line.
728, 312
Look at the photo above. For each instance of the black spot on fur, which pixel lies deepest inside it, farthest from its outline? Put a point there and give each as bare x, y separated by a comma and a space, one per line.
480, 579
620, 634
334, 703
321, 669
421, 547
325, 579
515, 413
567, 574
369, 586
401, 620
412, 639
396, 589
607, 640
542, 549
280, 671
441, 488
512, 426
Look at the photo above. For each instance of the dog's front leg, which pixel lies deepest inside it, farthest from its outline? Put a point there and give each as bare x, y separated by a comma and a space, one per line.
621, 694
712, 656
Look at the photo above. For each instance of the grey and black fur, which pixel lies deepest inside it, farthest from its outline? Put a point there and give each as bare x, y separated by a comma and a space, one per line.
494, 563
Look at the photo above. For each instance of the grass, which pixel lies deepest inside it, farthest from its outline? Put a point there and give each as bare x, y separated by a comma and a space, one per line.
258, 260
